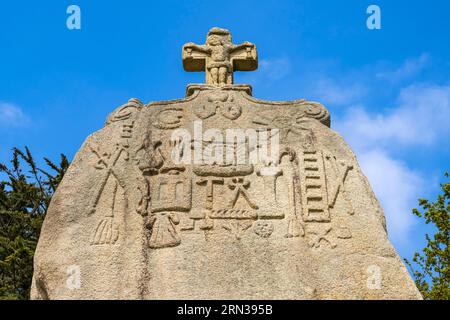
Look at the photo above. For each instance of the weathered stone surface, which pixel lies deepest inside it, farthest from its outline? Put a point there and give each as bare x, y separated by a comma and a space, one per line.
137, 224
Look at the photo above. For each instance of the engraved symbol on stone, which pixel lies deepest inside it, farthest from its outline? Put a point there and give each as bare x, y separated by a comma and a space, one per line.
204, 111
309, 142
289, 124
209, 200
264, 229
238, 214
231, 110
171, 193
270, 209
163, 233
150, 256
341, 170
318, 233
125, 111
149, 157
315, 110
168, 118
239, 187
229, 166
295, 227
215, 100
221, 101
149, 160
296, 119
106, 162
237, 227
127, 130
107, 231
209, 183
314, 191
219, 57
170, 166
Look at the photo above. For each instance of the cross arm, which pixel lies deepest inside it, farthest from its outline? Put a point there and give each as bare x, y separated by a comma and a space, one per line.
194, 57
244, 57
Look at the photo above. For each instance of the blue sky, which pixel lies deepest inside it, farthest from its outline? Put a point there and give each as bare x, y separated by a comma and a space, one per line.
388, 90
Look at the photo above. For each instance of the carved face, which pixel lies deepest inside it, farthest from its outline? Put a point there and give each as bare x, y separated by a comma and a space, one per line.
214, 40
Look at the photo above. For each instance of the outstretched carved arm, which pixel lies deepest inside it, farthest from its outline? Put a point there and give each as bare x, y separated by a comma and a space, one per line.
192, 46
243, 45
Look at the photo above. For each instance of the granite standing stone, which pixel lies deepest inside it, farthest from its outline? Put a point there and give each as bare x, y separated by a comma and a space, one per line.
148, 209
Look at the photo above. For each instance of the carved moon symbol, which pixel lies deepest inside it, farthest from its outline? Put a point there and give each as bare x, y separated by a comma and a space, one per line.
123, 113
169, 118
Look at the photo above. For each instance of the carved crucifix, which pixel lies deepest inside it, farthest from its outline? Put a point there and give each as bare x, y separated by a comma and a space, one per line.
219, 57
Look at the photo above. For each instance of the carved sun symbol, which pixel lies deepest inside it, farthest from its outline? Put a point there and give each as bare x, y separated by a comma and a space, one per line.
294, 124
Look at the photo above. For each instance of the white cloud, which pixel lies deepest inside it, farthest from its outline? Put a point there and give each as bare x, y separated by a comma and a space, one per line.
417, 118
397, 188
352, 87
12, 116
408, 69
334, 93
421, 118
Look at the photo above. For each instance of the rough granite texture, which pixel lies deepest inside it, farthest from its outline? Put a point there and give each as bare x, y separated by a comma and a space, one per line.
138, 225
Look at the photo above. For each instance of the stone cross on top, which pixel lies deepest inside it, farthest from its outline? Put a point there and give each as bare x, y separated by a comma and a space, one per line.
219, 57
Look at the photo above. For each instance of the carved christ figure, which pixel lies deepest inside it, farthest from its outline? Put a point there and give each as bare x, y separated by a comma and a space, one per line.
219, 57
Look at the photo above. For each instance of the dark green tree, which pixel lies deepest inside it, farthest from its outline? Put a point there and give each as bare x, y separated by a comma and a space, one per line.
432, 272
25, 194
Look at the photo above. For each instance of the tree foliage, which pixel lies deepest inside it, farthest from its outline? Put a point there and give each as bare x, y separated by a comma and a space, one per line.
432, 272
25, 194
